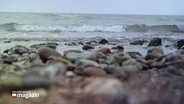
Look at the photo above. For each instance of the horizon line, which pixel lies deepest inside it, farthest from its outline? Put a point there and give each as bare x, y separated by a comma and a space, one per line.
95, 13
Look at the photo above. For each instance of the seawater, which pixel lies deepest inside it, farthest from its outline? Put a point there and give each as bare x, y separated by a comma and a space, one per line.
58, 27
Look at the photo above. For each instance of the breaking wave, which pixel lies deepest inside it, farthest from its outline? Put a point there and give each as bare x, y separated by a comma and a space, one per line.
154, 28
91, 28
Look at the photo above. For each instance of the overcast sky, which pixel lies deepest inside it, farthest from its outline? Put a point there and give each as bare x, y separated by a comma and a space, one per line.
158, 7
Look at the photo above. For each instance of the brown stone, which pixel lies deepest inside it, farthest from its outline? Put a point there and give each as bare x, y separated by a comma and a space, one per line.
45, 52
94, 71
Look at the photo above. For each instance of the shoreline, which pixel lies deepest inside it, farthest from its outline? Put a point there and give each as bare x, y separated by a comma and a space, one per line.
97, 69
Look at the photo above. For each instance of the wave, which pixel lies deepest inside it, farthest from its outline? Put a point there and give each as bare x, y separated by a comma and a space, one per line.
8, 27
83, 28
154, 28
91, 28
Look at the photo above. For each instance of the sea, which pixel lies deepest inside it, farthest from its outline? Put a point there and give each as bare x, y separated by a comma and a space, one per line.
68, 27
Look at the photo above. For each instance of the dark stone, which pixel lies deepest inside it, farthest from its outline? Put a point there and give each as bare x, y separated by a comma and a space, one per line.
155, 42
50, 45
8, 41
87, 47
152, 56
9, 59
118, 47
180, 43
103, 41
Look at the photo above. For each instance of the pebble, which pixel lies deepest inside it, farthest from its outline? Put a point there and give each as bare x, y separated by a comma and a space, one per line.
9, 83
103, 41
48, 71
94, 71
104, 50
119, 98
131, 65
87, 47
29, 81
73, 55
85, 63
154, 52
137, 42
49, 45
101, 86
155, 42
9, 59
118, 47
180, 43
45, 52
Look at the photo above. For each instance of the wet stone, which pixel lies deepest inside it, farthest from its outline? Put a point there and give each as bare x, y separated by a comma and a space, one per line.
118, 47
49, 45
92, 42
8, 41
155, 42
103, 41
87, 47
18, 49
180, 43
137, 42
104, 50
9, 59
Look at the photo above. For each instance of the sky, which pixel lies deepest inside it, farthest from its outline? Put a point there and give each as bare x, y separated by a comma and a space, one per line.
148, 7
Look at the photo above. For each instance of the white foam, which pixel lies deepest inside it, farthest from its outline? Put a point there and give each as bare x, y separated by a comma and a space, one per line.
83, 28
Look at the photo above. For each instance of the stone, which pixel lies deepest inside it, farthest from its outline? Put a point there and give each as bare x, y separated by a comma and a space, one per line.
94, 71
8, 41
117, 59
180, 43
85, 63
101, 86
155, 42
137, 42
104, 50
73, 55
9, 83
131, 65
9, 59
118, 47
87, 47
116, 71
49, 45
18, 49
92, 42
45, 52
154, 52
54, 59
29, 81
119, 98
103, 41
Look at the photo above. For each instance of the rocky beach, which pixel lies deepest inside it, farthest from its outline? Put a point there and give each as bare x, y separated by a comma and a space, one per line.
94, 71
54, 58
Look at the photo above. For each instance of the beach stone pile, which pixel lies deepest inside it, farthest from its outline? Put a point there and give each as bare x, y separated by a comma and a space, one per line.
94, 74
